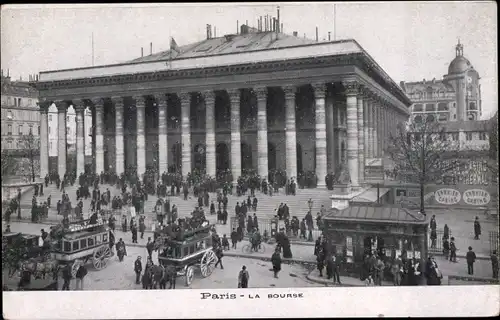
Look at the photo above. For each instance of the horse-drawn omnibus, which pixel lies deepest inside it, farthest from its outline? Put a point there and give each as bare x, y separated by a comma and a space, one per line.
186, 250
79, 242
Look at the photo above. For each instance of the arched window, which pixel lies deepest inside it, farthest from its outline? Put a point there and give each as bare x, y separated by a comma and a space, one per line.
429, 93
418, 107
443, 117
472, 106
418, 119
431, 118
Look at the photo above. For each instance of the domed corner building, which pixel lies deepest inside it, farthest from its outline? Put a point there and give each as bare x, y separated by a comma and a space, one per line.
257, 100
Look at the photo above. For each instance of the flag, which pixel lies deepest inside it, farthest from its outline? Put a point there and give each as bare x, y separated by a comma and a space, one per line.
174, 46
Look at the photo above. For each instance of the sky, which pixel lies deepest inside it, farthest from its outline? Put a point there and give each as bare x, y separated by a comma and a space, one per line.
411, 41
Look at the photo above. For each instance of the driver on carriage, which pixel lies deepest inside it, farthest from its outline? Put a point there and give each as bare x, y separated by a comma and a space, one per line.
255, 239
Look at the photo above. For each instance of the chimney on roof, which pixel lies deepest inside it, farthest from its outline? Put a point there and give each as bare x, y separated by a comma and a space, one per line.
424, 80
142, 52
36, 77
281, 28
208, 31
237, 26
246, 22
316, 34
260, 22
150, 48
329, 36
295, 34
278, 21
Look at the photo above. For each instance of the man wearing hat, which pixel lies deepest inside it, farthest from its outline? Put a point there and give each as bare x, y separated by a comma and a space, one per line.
138, 270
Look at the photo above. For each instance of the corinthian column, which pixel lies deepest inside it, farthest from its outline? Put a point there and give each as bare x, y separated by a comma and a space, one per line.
140, 106
44, 137
80, 138
161, 102
209, 97
321, 157
186, 132
377, 136
361, 139
290, 133
262, 156
119, 144
366, 128
234, 96
61, 138
99, 138
352, 131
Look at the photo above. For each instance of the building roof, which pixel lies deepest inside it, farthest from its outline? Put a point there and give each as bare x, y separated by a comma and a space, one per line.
436, 85
234, 43
458, 65
18, 88
380, 214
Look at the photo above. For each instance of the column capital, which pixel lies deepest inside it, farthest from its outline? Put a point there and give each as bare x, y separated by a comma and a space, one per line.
44, 106
352, 88
185, 97
97, 102
289, 91
161, 99
61, 106
117, 101
319, 89
140, 101
79, 105
234, 95
208, 96
260, 92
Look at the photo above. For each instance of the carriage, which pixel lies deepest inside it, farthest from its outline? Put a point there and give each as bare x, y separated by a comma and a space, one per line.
78, 242
187, 251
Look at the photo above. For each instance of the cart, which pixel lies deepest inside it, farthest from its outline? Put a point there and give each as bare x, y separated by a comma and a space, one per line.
187, 252
81, 242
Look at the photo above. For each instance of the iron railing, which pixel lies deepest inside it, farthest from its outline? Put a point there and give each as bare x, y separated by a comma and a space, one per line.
493, 242
438, 248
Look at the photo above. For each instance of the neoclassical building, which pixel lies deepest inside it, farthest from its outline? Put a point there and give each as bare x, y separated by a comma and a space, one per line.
254, 100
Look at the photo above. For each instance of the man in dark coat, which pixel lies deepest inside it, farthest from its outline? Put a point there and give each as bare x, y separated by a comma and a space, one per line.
121, 250
494, 264
138, 270
234, 238
66, 275
453, 250
150, 247
276, 261
471, 258
477, 229
219, 254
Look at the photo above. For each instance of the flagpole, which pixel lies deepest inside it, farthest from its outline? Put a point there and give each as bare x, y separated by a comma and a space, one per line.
334, 22
92, 49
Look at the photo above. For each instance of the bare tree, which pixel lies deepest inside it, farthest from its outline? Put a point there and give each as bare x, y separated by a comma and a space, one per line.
29, 164
9, 165
424, 153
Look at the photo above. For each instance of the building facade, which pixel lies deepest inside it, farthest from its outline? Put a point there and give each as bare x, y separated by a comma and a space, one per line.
20, 112
231, 103
456, 97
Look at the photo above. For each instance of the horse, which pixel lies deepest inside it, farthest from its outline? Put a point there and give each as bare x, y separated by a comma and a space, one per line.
169, 275
154, 274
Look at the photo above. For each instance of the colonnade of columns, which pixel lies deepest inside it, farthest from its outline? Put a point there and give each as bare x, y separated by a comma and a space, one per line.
369, 121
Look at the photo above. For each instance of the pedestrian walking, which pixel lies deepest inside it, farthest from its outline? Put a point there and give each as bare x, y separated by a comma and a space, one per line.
234, 238
66, 275
138, 270
471, 258
243, 278
149, 247
121, 250
276, 261
225, 243
219, 254
494, 264
477, 229
453, 250
80, 275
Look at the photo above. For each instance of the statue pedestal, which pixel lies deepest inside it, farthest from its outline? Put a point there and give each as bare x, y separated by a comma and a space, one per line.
342, 198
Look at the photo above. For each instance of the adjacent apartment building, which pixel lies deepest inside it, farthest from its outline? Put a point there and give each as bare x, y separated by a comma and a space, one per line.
19, 112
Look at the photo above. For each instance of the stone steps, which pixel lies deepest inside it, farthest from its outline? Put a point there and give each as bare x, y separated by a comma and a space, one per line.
297, 204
